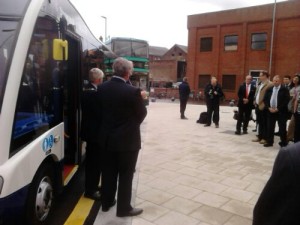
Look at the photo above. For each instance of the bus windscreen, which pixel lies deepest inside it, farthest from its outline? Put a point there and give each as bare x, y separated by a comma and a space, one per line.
11, 13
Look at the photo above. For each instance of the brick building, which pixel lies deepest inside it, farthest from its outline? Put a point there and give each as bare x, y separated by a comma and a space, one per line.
170, 67
156, 53
233, 43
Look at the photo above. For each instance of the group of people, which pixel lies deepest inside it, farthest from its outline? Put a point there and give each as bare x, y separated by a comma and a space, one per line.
273, 101
213, 94
112, 112
278, 203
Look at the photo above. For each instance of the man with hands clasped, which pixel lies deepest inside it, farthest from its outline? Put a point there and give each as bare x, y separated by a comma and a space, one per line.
276, 102
246, 94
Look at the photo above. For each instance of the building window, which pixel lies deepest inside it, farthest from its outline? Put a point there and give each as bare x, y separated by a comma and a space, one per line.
204, 79
228, 82
206, 44
259, 41
231, 43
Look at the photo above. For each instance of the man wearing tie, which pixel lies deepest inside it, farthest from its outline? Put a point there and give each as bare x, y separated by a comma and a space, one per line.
245, 104
276, 101
287, 82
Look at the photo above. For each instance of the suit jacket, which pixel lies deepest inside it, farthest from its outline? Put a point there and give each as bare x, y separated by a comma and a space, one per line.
91, 117
279, 201
266, 86
123, 111
283, 98
210, 97
242, 95
184, 90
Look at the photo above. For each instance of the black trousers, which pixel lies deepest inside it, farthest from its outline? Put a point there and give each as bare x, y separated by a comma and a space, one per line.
261, 119
92, 167
272, 118
243, 118
118, 165
213, 110
297, 127
183, 103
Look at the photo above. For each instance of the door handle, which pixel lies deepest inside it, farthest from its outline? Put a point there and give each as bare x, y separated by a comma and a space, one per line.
56, 138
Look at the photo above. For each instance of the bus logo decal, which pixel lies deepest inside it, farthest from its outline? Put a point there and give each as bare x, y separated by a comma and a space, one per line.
48, 143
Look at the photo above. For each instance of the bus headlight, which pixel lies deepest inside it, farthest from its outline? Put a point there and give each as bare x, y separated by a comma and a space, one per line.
1, 183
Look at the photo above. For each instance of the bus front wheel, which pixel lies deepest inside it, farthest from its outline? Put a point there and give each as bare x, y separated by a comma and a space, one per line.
41, 196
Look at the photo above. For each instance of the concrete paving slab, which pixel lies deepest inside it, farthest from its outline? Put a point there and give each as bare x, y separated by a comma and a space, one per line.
191, 174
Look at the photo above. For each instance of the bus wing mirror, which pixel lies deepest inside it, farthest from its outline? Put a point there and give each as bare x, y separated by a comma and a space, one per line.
60, 49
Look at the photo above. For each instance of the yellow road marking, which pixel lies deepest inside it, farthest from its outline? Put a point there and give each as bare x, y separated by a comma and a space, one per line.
80, 212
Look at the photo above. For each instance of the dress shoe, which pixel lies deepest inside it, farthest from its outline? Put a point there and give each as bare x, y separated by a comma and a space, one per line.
237, 132
256, 140
282, 144
95, 196
263, 141
254, 130
268, 145
276, 133
207, 125
133, 212
106, 208
217, 125
184, 118
245, 132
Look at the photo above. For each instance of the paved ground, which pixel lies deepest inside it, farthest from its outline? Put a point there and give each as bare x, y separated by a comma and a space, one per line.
188, 174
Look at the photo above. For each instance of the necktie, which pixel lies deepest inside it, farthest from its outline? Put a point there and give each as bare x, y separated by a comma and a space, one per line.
274, 98
247, 90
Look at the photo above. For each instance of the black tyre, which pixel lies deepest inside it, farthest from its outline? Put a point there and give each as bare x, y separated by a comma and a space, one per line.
41, 196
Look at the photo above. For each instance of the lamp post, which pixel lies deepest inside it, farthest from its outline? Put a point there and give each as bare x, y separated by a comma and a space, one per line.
105, 18
272, 38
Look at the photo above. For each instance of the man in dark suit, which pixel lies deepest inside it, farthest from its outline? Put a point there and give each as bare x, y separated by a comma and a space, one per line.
246, 94
276, 102
90, 126
122, 110
279, 201
287, 82
184, 93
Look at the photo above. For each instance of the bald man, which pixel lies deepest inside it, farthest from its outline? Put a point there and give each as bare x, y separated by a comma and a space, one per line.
246, 95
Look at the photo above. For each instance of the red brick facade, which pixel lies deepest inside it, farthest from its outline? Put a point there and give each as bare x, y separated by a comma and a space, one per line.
230, 67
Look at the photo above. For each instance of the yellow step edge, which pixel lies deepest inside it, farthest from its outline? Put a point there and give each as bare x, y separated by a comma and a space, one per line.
70, 175
80, 212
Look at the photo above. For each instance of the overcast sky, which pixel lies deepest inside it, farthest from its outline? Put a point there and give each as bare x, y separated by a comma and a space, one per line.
161, 22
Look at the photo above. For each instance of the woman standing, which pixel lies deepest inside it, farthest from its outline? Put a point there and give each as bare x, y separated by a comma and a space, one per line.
293, 94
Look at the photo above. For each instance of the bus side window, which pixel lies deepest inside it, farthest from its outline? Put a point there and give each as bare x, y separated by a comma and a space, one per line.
39, 104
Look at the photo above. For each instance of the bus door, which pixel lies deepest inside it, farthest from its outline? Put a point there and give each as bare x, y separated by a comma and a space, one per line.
71, 104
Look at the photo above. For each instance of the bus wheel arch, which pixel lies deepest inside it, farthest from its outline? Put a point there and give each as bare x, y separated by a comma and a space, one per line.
41, 195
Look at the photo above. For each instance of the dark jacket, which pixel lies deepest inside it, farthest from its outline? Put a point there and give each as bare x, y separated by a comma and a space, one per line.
279, 201
283, 98
123, 111
184, 90
210, 97
242, 95
91, 117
